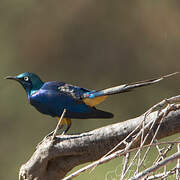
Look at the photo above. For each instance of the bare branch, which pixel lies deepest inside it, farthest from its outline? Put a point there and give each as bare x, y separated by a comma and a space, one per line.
178, 164
126, 159
112, 156
161, 175
156, 166
55, 160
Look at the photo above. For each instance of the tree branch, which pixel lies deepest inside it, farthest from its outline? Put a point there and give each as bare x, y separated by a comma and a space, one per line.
156, 166
54, 159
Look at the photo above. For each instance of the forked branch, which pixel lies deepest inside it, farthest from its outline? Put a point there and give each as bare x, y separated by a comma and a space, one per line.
52, 160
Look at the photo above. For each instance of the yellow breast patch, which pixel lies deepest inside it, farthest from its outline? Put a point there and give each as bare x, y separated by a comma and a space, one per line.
94, 101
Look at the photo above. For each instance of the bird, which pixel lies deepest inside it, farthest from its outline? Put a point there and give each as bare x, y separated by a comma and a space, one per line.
52, 98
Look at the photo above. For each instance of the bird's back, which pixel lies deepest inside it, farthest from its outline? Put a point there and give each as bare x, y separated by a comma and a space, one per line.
53, 97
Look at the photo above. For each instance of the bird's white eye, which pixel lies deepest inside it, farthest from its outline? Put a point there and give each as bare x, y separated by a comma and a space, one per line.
26, 78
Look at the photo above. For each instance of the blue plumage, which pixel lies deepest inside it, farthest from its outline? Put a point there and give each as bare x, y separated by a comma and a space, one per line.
53, 97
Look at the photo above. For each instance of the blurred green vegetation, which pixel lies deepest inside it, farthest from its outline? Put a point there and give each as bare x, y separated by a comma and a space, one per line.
87, 43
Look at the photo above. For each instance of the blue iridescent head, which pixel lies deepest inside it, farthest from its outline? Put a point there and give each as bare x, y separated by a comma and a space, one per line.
30, 81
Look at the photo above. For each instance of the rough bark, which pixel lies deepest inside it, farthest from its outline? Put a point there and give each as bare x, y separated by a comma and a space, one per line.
52, 160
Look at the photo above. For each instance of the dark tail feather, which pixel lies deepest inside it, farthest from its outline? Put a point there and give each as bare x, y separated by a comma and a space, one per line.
100, 114
126, 87
92, 113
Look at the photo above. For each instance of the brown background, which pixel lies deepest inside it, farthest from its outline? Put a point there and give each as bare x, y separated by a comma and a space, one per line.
93, 44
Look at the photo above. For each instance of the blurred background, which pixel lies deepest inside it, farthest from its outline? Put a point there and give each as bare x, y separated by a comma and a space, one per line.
86, 43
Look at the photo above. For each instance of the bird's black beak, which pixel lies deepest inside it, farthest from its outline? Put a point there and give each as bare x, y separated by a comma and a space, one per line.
12, 78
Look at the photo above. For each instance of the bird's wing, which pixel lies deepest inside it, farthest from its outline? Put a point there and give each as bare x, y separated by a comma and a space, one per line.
68, 89
54, 97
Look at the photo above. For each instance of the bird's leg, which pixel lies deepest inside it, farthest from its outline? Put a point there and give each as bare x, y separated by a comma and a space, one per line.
60, 124
68, 123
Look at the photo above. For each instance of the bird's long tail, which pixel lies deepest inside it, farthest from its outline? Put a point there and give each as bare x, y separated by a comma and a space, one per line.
124, 87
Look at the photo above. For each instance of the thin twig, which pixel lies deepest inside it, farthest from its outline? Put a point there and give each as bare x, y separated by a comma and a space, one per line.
126, 160
160, 150
169, 108
178, 164
160, 157
156, 166
164, 102
162, 175
142, 142
59, 122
